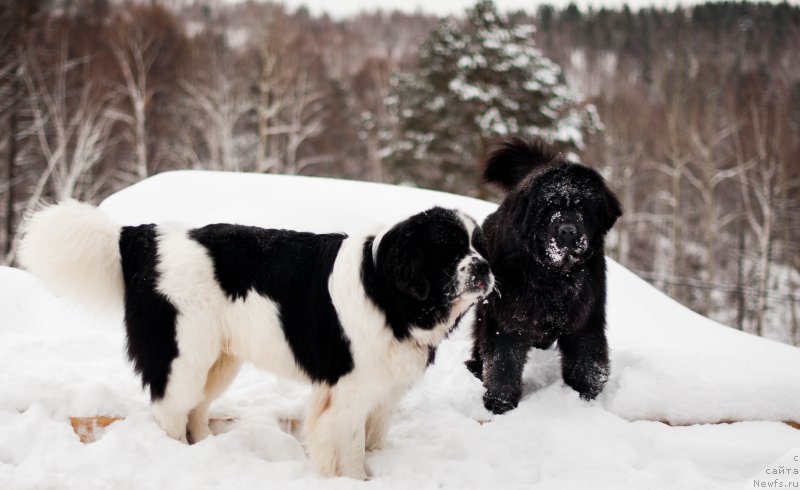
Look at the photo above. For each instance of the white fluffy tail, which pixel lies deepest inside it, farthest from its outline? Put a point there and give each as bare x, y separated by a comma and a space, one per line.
74, 249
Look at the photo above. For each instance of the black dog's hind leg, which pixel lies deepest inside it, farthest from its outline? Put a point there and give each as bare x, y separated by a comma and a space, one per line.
504, 357
584, 358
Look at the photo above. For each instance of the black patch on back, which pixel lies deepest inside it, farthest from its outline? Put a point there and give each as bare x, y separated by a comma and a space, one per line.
292, 269
149, 316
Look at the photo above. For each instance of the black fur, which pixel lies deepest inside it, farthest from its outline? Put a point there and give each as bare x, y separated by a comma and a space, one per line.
545, 247
514, 158
149, 316
413, 279
292, 269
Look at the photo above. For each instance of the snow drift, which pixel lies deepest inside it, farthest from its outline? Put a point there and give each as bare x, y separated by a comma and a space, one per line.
668, 364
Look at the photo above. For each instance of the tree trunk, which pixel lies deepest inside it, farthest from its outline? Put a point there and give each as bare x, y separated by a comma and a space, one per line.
10, 174
794, 337
740, 299
763, 280
677, 235
711, 236
141, 139
262, 159
374, 159
624, 224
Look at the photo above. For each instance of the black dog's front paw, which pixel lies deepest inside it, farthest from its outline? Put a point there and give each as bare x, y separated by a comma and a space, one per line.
591, 393
500, 403
589, 382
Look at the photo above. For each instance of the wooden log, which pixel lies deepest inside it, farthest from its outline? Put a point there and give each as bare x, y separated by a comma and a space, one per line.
89, 429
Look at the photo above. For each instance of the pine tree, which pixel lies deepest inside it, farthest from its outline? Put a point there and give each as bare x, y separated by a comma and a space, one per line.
477, 80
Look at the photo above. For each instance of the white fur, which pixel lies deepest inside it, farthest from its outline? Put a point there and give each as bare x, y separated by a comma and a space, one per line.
376, 243
362, 401
211, 330
74, 249
468, 222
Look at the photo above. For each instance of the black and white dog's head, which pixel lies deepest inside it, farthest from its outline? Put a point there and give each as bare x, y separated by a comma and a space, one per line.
427, 270
561, 210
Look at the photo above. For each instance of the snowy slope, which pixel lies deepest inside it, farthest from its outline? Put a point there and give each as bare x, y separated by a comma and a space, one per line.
667, 364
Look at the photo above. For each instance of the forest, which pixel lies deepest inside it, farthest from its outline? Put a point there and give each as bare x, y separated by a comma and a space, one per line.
691, 113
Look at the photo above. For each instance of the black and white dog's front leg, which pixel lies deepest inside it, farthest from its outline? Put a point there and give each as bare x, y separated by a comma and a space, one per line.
584, 358
504, 356
335, 429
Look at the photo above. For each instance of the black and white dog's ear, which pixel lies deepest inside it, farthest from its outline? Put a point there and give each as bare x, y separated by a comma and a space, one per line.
410, 277
611, 210
402, 263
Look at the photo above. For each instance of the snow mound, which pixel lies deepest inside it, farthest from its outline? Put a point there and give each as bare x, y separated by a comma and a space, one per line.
667, 364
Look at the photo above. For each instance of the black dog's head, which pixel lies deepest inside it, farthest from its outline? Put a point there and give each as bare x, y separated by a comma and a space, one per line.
560, 210
430, 267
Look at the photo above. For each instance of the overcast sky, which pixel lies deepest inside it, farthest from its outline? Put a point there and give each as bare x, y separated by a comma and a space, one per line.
341, 8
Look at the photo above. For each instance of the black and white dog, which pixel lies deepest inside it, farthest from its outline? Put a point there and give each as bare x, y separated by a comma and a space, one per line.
546, 248
357, 317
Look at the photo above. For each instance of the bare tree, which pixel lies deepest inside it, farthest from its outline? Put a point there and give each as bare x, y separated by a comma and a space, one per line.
273, 52
305, 118
764, 191
293, 90
149, 49
675, 168
371, 89
9, 100
16, 21
71, 126
706, 176
218, 103
135, 54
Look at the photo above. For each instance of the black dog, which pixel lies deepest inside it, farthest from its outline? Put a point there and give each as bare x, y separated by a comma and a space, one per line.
545, 247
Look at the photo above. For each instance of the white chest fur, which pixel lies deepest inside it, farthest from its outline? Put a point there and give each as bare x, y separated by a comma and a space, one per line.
377, 355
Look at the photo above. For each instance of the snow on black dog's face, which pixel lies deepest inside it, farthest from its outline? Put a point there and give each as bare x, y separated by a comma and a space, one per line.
566, 211
429, 269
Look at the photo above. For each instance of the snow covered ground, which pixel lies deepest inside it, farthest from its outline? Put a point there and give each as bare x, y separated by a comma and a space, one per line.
667, 364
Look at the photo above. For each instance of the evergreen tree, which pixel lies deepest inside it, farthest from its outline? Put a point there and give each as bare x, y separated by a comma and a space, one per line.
477, 80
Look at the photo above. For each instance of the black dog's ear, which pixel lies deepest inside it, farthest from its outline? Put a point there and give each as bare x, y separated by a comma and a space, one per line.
510, 161
612, 210
410, 278
523, 206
